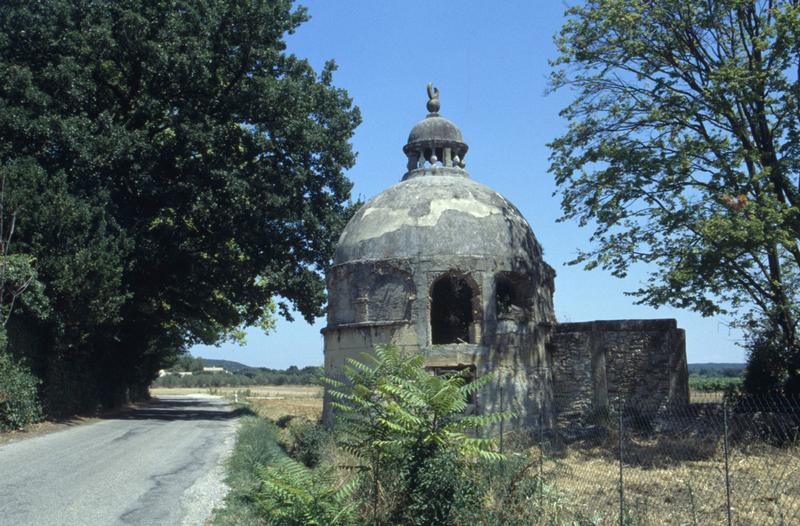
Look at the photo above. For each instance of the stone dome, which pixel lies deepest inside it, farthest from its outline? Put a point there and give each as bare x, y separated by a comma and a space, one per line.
435, 128
445, 265
437, 210
438, 215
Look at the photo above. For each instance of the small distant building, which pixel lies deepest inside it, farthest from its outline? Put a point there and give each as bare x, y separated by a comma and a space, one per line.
214, 370
442, 264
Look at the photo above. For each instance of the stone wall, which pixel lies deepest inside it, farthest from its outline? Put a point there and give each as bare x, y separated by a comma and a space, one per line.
593, 363
521, 380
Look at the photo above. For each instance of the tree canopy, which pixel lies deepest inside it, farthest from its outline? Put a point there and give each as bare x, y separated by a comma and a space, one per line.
176, 169
683, 153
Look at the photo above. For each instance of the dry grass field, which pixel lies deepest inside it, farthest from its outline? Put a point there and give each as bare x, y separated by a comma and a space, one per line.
274, 403
765, 486
270, 401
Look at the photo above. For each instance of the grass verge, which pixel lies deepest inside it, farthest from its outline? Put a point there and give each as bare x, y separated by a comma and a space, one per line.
256, 445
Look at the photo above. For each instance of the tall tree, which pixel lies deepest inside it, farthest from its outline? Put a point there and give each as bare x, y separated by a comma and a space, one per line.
179, 169
683, 152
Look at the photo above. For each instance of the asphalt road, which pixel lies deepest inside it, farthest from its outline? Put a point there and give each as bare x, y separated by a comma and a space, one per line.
162, 464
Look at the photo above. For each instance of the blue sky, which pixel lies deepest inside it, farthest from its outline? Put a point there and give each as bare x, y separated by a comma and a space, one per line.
490, 61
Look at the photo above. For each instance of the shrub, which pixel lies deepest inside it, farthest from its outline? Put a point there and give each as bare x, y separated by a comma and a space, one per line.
19, 402
408, 429
442, 487
513, 492
308, 441
766, 364
290, 494
256, 443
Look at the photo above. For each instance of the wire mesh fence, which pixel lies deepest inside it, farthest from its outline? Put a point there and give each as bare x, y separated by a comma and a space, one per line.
717, 460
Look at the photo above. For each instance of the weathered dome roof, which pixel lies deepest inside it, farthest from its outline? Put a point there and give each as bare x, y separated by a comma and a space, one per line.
435, 128
440, 215
437, 210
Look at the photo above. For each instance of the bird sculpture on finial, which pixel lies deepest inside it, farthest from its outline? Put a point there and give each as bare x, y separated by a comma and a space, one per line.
433, 98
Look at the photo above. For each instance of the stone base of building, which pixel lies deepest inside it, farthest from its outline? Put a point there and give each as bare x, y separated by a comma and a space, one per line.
583, 368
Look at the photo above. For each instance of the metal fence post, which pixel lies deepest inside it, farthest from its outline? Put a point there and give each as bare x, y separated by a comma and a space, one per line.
725, 452
541, 458
621, 480
501, 423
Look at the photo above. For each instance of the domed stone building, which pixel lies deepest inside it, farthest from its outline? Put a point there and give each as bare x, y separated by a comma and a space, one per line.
442, 264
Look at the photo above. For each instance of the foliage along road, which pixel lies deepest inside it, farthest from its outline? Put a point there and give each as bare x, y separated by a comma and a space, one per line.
160, 464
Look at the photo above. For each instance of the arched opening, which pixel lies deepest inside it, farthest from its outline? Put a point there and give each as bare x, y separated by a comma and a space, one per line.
451, 310
505, 297
511, 295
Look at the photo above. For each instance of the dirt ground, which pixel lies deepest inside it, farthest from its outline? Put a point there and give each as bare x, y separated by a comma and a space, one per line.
270, 401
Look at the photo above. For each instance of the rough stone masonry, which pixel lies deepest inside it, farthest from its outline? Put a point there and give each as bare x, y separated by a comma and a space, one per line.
441, 264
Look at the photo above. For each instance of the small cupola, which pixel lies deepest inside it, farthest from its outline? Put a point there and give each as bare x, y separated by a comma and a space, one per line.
435, 145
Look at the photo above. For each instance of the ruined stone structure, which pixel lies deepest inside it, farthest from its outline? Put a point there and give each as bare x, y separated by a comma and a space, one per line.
441, 264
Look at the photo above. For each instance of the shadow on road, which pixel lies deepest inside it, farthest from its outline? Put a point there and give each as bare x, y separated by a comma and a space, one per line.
194, 409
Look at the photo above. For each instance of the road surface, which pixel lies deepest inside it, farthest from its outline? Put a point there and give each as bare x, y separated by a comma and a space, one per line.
161, 464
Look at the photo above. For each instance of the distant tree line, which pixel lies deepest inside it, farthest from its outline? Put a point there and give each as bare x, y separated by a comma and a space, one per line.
718, 372
715, 383
243, 378
188, 363
715, 377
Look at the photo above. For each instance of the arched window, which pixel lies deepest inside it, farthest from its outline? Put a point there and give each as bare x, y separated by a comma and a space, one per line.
451, 310
511, 295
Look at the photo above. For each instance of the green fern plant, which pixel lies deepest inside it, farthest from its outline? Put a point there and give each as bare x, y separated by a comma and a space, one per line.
408, 428
290, 494
391, 401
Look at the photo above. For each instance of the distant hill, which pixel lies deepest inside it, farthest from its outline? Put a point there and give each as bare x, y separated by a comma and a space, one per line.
243, 375
228, 365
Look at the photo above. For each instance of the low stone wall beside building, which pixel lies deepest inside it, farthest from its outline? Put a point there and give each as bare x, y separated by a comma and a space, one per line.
594, 363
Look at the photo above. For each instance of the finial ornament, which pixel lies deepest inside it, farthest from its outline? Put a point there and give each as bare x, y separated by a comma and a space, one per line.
435, 145
433, 98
